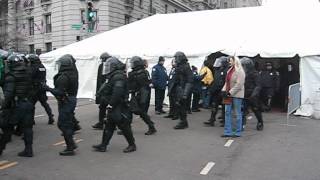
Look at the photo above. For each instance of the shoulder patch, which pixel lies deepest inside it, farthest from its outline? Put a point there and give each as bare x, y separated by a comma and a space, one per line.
42, 69
154, 69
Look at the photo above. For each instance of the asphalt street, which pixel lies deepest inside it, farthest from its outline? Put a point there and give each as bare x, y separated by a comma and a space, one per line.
279, 152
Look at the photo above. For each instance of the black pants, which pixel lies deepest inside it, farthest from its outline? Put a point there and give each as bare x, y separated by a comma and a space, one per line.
182, 111
159, 98
102, 112
114, 119
195, 100
42, 97
22, 115
173, 107
66, 119
144, 115
255, 106
216, 101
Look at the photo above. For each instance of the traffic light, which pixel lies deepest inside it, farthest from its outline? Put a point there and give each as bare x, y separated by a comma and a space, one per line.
90, 16
90, 12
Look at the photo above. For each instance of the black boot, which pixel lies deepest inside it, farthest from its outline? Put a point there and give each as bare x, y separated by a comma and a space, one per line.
183, 124
127, 133
152, 130
169, 116
106, 136
51, 120
130, 148
209, 123
259, 126
27, 152
71, 145
98, 126
28, 140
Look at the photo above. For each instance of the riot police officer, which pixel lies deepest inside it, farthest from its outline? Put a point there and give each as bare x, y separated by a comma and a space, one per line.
182, 86
139, 88
172, 105
18, 109
102, 103
270, 83
115, 91
65, 90
221, 67
39, 78
252, 92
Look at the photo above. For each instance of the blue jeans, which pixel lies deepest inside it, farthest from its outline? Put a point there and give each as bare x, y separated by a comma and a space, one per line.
237, 105
205, 98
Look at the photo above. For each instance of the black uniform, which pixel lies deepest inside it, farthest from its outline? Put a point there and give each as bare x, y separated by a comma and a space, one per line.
18, 109
39, 78
115, 91
65, 90
139, 87
252, 92
101, 78
270, 84
171, 93
182, 86
221, 68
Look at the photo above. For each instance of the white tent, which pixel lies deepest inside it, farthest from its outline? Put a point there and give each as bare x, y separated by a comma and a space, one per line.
269, 30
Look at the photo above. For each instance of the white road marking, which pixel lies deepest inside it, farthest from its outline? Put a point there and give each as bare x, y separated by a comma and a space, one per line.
37, 116
76, 141
8, 165
208, 167
229, 142
3, 162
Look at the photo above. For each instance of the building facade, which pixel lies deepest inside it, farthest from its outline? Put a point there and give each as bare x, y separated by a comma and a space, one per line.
223, 4
39, 26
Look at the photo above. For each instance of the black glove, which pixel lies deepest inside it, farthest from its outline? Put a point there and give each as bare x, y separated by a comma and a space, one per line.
224, 94
45, 87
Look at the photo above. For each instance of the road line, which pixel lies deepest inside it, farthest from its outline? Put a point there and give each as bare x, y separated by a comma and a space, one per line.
76, 141
38, 116
8, 165
229, 142
3, 163
59, 143
208, 167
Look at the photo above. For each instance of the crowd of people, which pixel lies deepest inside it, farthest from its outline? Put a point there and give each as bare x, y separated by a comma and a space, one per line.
230, 84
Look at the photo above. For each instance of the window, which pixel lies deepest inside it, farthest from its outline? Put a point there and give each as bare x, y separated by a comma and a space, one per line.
150, 7
31, 48
141, 3
225, 5
175, 10
127, 19
48, 47
47, 19
31, 26
83, 16
166, 8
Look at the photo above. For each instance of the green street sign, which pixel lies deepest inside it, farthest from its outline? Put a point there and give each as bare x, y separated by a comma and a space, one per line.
76, 26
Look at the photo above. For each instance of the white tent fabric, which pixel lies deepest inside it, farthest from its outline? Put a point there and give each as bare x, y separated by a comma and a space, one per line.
268, 30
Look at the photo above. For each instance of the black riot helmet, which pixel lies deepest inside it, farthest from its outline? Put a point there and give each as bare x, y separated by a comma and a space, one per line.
112, 64
136, 62
104, 56
180, 58
66, 63
33, 58
15, 60
269, 66
222, 61
247, 64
